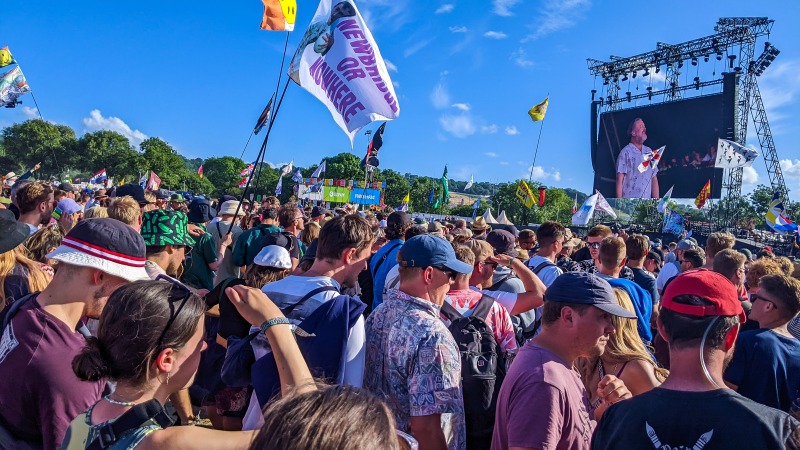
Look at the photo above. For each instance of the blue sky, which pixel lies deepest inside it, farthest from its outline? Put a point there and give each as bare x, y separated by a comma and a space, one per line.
465, 73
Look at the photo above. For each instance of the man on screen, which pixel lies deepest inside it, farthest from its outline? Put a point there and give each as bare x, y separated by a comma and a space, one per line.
630, 182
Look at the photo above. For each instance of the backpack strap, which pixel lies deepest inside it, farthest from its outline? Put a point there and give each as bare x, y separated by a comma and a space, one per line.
541, 266
384, 257
451, 313
499, 282
135, 417
288, 310
483, 307
14, 308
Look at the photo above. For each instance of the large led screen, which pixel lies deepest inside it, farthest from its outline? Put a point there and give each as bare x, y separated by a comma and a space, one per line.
688, 128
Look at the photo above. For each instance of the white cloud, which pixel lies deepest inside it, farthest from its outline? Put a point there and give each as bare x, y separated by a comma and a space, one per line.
30, 112
459, 126
390, 65
96, 121
491, 154
440, 97
557, 15
790, 169
503, 7
512, 130
489, 129
462, 106
419, 45
388, 15
749, 176
446, 8
540, 174
458, 29
276, 165
495, 35
780, 87
520, 58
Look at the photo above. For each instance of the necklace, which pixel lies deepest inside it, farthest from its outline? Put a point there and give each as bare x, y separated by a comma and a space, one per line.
115, 402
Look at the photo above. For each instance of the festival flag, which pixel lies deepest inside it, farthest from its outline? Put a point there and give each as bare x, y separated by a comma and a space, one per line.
407, 199
445, 188
651, 158
5, 57
279, 187
525, 195
154, 182
776, 219
339, 63
662, 204
247, 170
375, 144
279, 15
731, 154
99, 177
537, 112
320, 170
584, 215
298, 176
143, 181
542, 193
602, 205
470, 182
263, 118
287, 168
705, 192
432, 195
12, 86
674, 223
200, 171
575, 204
243, 182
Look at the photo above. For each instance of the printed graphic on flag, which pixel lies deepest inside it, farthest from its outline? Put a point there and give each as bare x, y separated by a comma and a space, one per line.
651, 159
731, 154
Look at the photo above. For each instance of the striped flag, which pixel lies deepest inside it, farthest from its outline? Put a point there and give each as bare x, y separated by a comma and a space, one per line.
705, 192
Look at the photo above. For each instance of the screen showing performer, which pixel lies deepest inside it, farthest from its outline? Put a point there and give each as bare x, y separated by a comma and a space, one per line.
642, 152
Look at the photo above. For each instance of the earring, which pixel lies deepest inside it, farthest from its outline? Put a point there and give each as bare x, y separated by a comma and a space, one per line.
167, 382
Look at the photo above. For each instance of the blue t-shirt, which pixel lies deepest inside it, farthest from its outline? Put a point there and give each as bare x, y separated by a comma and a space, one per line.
647, 282
642, 303
390, 250
766, 368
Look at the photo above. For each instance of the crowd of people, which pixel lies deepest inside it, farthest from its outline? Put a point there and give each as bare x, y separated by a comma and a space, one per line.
137, 319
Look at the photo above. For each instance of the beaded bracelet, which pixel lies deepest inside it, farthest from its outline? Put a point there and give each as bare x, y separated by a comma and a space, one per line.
275, 321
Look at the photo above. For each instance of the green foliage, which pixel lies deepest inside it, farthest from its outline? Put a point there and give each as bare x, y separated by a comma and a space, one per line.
344, 166
112, 151
397, 186
161, 158
35, 141
223, 173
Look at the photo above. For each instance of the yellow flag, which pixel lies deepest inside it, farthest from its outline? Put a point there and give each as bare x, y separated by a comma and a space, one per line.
705, 192
407, 198
5, 57
537, 112
525, 195
121, 182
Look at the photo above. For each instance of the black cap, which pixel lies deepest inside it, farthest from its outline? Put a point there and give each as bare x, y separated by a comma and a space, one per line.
133, 190
278, 239
503, 242
200, 211
585, 289
12, 233
162, 194
227, 197
318, 211
654, 256
66, 187
399, 219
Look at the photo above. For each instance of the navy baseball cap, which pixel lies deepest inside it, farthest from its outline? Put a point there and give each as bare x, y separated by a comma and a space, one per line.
586, 289
426, 251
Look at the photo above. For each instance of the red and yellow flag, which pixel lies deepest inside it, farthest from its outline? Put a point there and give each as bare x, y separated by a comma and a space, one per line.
703, 195
200, 171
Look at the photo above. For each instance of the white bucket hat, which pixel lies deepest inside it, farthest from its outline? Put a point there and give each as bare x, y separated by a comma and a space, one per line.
273, 256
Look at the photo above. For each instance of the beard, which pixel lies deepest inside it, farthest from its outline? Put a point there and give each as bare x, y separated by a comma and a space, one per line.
95, 308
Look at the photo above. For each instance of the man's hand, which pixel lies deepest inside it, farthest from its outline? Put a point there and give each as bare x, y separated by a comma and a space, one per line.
227, 240
194, 230
501, 259
610, 390
623, 234
36, 167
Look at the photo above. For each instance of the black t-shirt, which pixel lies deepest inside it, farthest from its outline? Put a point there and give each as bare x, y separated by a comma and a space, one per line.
719, 419
231, 323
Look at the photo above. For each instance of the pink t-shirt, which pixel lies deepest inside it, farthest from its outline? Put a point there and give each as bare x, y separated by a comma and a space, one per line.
542, 404
498, 320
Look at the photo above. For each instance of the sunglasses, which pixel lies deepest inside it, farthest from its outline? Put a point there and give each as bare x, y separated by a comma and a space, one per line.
754, 297
407, 442
178, 293
450, 274
594, 245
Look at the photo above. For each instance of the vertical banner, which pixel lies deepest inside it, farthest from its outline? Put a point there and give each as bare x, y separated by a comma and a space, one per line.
339, 63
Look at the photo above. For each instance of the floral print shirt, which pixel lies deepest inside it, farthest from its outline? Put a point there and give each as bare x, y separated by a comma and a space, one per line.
413, 364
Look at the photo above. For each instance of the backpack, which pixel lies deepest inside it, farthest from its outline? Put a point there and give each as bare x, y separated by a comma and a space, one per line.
526, 324
483, 368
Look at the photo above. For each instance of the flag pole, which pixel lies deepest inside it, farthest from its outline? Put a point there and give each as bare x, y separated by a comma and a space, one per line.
536, 152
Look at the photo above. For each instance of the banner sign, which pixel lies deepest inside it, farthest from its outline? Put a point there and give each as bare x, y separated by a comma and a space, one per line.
336, 194
365, 196
525, 195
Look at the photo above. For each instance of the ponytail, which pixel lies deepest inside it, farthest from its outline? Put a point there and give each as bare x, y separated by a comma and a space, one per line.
91, 364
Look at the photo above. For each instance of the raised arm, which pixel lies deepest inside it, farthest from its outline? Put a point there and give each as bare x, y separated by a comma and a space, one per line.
533, 297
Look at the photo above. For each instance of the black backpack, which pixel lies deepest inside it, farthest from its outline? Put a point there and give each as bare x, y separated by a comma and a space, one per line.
483, 368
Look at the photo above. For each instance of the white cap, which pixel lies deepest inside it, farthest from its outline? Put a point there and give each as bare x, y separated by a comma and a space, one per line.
273, 256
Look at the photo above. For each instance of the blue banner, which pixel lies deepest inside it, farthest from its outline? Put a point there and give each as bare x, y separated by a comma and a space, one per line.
674, 223
365, 196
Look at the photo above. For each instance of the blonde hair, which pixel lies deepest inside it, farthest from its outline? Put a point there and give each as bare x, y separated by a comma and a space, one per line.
42, 242
761, 267
125, 209
98, 212
310, 232
37, 280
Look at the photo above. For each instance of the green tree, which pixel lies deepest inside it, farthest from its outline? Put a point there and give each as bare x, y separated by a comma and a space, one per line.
165, 162
35, 141
397, 186
223, 174
112, 151
420, 192
344, 166
199, 185
760, 199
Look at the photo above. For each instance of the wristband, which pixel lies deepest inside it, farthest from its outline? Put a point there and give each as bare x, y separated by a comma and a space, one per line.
275, 321
511, 262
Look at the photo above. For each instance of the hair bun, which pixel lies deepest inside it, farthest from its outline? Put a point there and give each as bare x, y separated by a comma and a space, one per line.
90, 364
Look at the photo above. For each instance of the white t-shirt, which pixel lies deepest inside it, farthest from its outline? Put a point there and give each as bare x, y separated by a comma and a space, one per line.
548, 274
669, 271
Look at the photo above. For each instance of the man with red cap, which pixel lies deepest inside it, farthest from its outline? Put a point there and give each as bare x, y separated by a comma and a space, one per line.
699, 319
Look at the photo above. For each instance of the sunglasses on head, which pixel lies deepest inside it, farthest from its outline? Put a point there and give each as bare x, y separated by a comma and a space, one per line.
177, 293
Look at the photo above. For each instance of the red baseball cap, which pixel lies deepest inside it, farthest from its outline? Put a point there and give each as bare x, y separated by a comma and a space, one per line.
707, 284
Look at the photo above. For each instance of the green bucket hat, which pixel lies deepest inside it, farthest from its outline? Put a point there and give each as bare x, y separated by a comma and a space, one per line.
177, 198
160, 227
